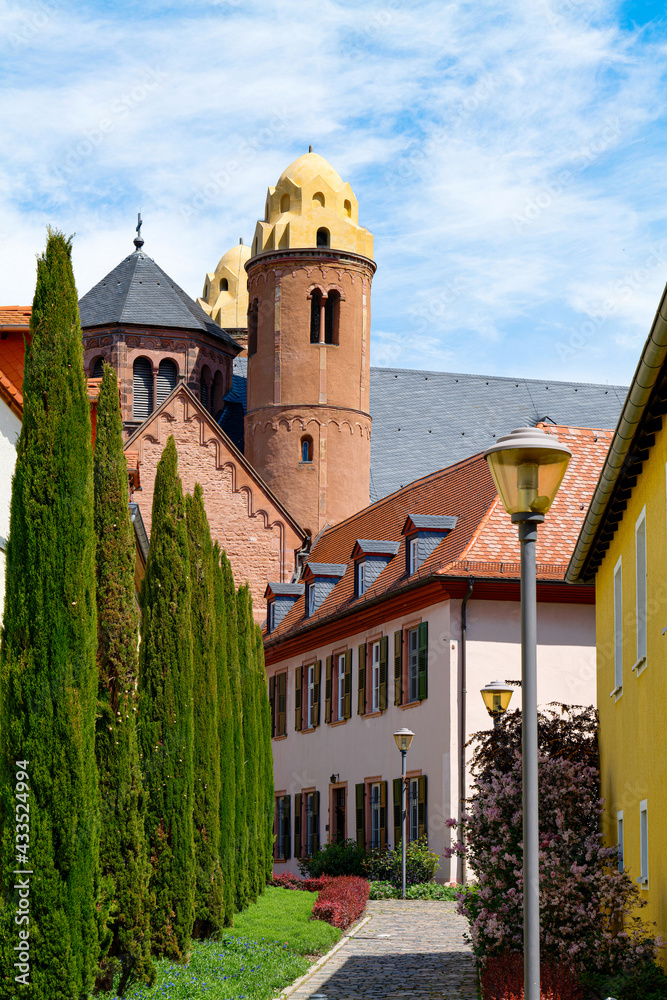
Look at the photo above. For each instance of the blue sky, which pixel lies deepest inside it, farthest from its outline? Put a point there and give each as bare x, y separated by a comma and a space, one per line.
509, 158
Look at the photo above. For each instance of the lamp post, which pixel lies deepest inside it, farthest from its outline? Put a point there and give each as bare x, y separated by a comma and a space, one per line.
528, 467
496, 697
404, 738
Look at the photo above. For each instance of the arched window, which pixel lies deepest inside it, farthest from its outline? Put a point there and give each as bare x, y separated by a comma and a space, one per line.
284, 203
204, 380
217, 393
224, 285
315, 309
318, 199
142, 389
252, 328
306, 449
347, 206
331, 318
322, 237
98, 368
167, 377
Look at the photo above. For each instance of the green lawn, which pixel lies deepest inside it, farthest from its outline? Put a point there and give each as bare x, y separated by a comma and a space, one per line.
254, 960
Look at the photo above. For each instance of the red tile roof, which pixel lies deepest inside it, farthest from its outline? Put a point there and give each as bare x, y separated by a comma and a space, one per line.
14, 323
483, 543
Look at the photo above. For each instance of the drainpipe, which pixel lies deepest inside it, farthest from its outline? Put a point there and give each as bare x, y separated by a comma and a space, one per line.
460, 867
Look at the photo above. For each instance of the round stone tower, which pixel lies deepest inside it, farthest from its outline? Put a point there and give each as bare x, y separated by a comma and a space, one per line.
308, 429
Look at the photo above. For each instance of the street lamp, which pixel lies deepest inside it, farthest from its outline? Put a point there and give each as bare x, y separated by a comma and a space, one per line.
528, 467
404, 738
496, 697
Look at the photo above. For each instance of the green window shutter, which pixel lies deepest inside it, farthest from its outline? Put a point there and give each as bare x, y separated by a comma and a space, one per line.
327, 690
383, 815
421, 805
272, 703
298, 687
398, 667
316, 694
281, 725
361, 681
316, 822
384, 656
297, 825
397, 811
276, 828
288, 827
347, 707
422, 661
359, 791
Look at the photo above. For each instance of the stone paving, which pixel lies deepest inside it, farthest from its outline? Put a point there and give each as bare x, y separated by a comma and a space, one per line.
408, 950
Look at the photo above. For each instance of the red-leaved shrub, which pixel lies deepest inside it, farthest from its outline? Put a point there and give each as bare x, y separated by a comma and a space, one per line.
289, 881
502, 979
342, 900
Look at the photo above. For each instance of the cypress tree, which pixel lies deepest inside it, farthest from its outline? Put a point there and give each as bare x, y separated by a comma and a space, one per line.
250, 736
226, 722
209, 903
124, 866
267, 756
242, 884
166, 714
48, 677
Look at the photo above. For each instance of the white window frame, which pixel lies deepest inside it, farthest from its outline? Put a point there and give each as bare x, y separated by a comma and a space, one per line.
340, 689
310, 694
619, 839
643, 844
414, 555
311, 599
375, 677
361, 578
413, 663
413, 811
271, 616
618, 629
641, 592
375, 815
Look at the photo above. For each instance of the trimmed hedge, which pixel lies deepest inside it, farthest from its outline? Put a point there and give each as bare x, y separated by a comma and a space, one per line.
342, 901
289, 881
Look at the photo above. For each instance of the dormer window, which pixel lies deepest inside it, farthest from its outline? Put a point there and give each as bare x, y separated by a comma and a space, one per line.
361, 578
320, 580
312, 607
271, 616
280, 599
413, 555
370, 558
423, 533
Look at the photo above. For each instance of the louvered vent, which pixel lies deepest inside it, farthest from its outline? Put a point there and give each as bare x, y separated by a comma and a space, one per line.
142, 389
203, 392
167, 377
98, 370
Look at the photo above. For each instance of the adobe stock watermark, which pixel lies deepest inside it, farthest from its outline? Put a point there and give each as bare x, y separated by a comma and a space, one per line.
22, 871
35, 19
119, 111
623, 291
550, 192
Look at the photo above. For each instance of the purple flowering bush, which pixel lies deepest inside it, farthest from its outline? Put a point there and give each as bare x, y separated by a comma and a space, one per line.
587, 905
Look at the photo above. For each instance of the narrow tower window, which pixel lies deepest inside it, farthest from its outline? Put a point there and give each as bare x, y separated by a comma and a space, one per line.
331, 316
284, 203
322, 237
224, 285
348, 208
203, 391
318, 199
142, 389
217, 392
306, 449
98, 368
315, 311
252, 328
167, 377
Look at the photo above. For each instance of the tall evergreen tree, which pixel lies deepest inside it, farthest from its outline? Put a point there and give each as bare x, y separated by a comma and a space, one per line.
267, 756
250, 737
226, 723
124, 866
48, 675
166, 720
242, 884
209, 902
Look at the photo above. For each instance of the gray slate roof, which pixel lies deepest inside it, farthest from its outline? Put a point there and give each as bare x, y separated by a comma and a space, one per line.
327, 569
425, 421
372, 546
287, 589
139, 292
433, 522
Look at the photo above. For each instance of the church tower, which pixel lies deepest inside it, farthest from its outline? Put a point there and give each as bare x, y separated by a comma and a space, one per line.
308, 429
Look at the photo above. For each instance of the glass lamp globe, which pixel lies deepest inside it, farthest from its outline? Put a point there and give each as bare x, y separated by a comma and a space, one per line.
527, 467
496, 697
404, 738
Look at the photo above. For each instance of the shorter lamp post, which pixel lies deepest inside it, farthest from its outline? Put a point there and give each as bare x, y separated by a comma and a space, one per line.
404, 738
496, 697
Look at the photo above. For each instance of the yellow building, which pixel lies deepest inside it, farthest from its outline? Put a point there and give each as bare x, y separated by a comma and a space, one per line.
225, 296
623, 547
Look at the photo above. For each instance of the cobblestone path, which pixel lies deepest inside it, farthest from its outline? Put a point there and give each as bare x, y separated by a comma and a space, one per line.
412, 950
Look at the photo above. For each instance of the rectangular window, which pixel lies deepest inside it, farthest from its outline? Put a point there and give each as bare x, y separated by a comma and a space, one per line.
311, 599
413, 812
640, 554
311, 696
413, 663
618, 628
340, 688
375, 678
361, 582
271, 624
414, 555
619, 839
282, 842
643, 844
310, 824
375, 816
278, 700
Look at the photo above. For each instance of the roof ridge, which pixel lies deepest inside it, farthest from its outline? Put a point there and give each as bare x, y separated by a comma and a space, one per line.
497, 378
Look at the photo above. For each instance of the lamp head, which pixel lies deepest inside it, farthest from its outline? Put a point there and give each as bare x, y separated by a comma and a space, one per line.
527, 467
496, 697
404, 738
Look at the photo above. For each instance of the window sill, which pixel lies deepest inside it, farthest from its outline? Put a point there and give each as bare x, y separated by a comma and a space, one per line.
310, 730
413, 704
311, 463
276, 739
640, 666
642, 881
280, 861
372, 715
338, 722
617, 692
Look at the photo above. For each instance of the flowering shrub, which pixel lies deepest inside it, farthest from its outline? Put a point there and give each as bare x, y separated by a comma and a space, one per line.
342, 901
421, 864
586, 903
502, 979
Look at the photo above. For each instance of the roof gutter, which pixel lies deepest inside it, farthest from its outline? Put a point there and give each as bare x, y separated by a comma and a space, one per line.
647, 373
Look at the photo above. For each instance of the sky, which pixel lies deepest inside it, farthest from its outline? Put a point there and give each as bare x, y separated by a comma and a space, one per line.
509, 158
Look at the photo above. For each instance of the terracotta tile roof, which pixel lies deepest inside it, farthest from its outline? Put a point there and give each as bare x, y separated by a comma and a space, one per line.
14, 323
483, 541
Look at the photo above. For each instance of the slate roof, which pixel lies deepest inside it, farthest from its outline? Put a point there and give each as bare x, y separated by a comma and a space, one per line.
327, 569
371, 546
284, 589
430, 522
139, 292
484, 543
423, 421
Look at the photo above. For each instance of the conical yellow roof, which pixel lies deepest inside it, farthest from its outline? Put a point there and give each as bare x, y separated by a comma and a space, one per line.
235, 258
308, 166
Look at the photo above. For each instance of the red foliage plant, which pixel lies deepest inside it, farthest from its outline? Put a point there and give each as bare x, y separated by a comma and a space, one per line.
502, 979
289, 881
342, 900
